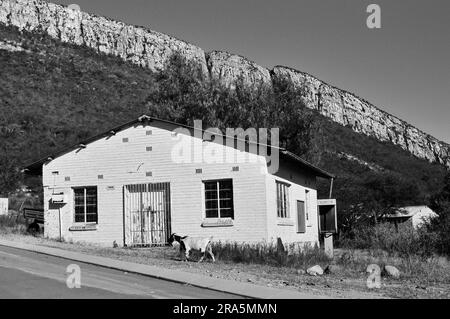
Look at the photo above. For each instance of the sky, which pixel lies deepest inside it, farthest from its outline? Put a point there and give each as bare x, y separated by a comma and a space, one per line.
403, 67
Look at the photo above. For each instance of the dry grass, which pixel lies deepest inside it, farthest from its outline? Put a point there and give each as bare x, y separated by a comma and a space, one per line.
13, 224
268, 253
429, 279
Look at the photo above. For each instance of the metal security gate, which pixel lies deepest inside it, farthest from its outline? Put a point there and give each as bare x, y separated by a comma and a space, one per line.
147, 214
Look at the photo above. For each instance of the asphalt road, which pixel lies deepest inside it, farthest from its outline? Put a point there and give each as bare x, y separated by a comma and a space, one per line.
25, 274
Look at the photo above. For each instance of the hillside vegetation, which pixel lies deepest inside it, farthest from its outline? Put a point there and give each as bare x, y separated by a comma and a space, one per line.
53, 95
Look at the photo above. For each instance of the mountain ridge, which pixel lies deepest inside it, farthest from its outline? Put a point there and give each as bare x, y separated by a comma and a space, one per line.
151, 49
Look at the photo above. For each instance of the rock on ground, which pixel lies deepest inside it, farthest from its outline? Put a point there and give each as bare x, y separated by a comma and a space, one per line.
391, 271
315, 271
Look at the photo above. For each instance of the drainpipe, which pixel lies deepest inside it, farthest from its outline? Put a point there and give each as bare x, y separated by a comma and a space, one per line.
331, 187
328, 237
60, 226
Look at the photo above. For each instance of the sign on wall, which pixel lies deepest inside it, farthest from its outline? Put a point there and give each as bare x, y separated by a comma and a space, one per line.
3, 206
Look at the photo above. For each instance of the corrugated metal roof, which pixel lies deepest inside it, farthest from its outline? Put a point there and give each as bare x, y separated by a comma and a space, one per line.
410, 211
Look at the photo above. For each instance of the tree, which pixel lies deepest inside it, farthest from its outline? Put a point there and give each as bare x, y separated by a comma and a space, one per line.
440, 203
367, 201
183, 93
10, 175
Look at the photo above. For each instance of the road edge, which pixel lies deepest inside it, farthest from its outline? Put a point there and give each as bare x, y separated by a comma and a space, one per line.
217, 284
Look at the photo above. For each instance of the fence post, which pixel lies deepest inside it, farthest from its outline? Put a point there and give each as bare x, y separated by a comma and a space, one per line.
328, 243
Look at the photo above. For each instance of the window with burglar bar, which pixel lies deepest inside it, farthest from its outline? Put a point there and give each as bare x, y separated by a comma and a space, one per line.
86, 205
219, 199
282, 200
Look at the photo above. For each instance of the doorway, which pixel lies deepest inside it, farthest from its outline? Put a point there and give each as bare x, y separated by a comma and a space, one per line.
147, 214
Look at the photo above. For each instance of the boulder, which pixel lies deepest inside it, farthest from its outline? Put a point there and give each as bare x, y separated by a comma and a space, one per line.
315, 271
391, 271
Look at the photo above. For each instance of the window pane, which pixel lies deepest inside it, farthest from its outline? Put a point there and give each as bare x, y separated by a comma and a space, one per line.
91, 200
210, 194
91, 218
91, 209
211, 186
79, 214
219, 193
226, 203
213, 213
85, 206
226, 198
225, 185
210, 204
282, 200
79, 197
226, 213
226, 194
91, 191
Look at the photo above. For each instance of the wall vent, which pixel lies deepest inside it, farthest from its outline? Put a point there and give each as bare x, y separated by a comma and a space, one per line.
125, 140
149, 174
67, 178
100, 176
149, 148
149, 132
236, 169
198, 171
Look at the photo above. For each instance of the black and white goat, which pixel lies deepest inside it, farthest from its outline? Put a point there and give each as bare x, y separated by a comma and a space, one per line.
188, 243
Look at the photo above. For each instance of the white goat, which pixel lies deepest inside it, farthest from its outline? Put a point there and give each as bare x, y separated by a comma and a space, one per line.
188, 244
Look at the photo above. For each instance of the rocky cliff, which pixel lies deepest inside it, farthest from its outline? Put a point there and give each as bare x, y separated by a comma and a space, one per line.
139, 45
152, 50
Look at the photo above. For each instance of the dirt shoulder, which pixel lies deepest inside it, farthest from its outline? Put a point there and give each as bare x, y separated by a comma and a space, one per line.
345, 282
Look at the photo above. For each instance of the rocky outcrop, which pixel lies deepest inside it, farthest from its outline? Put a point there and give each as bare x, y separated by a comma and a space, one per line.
152, 50
349, 110
349, 157
136, 44
12, 46
232, 68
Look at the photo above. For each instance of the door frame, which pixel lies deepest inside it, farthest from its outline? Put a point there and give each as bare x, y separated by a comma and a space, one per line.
147, 187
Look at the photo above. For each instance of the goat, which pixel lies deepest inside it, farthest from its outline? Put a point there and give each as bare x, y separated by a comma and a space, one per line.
188, 244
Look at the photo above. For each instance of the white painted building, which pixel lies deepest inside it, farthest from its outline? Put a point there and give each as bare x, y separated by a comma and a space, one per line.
129, 186
414, 216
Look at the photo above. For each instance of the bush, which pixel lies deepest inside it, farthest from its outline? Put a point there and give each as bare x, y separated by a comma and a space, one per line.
266, 253
440, 203
403, 242
438, 232
13, 223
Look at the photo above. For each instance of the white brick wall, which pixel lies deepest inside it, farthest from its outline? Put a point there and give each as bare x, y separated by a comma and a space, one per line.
118, 162
286, 228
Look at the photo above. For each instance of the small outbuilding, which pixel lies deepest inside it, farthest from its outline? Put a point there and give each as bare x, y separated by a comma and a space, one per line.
415, 216
138, 182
